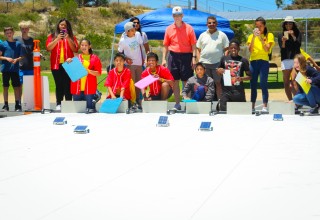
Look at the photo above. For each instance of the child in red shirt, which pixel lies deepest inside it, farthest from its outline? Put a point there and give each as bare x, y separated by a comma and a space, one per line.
162, 88
118, 80
86, 87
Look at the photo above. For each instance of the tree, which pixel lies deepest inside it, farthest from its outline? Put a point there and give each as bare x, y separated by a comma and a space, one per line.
279, 3
299, 4
68, 10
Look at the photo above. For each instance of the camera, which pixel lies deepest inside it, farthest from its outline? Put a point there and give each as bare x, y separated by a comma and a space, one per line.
63, 32
256, 32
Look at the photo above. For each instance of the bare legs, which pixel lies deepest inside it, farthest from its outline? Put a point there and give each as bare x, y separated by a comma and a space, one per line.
176, 90
289, 89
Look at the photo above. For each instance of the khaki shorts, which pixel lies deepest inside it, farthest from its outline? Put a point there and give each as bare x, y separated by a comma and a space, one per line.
211, 70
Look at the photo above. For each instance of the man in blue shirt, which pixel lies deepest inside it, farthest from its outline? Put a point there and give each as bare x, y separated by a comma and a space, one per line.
26, 64
10, 54
0, 60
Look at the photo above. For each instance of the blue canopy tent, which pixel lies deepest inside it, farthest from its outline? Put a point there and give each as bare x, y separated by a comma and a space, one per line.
154, 23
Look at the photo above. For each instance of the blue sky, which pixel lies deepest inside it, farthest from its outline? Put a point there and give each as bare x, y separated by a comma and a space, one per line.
212, 5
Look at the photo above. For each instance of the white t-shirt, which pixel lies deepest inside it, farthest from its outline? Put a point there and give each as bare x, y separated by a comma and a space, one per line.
144, 39
212, 46
131, 46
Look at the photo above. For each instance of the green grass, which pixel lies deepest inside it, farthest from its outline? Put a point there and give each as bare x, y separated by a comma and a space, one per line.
52, 84
272, 83
101, 79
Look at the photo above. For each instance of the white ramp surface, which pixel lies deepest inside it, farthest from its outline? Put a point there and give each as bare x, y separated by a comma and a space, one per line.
127, 168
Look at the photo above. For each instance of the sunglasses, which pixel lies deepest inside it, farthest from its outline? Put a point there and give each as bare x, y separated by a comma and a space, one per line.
136, 22
212, 22
288, 23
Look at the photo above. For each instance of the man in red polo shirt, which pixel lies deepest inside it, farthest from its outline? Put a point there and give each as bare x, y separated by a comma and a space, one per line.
180, 43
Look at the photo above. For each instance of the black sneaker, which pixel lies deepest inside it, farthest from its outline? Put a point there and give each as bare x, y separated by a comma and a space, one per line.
314, 110
90, 110
5, 107
297, 107
135, 108
18, 108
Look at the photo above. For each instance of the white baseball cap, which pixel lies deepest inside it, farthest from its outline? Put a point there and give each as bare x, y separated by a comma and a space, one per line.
128, 26
177, 10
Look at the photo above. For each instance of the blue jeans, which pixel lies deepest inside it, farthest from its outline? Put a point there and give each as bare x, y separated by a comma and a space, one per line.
310, 99
199, 94
259, 67
83, 97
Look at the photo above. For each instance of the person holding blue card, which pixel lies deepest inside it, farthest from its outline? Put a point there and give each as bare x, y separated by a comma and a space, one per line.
199, 87
312, 77
85, 88
119, 81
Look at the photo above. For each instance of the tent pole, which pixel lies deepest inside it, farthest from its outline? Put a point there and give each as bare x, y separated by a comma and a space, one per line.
114, 39
306, 35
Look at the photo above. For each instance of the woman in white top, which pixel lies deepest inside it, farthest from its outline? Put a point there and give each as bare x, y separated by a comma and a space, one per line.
144, 36
130, 45
139, 36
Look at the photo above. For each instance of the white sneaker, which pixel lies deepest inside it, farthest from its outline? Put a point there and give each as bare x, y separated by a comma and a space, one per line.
58, 108
264, 109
